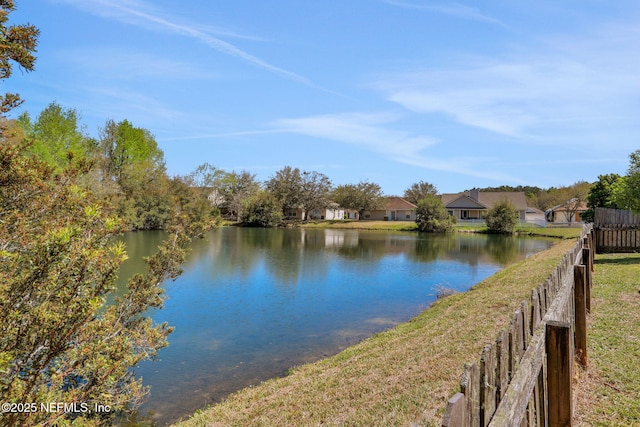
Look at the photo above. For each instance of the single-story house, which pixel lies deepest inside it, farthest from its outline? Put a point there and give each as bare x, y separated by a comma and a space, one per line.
567, 212
395, 209
475, 204
333, 211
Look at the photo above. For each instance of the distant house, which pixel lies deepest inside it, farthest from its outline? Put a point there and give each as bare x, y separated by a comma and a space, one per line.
475, 204
333, 211
567, 212
395, 209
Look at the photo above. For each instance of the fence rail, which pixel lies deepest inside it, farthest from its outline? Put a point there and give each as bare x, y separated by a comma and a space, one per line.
616, 230
524, 377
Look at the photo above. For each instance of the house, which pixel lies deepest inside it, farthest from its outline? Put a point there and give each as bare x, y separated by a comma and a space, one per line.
333, 211
475, 204
567, 212
395, 209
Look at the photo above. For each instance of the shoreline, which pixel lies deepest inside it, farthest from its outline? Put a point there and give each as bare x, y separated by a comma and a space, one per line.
390, 377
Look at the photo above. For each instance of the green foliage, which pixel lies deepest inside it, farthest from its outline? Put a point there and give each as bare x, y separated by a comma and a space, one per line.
315, 192
19, 44
293, 189
124, 147
56, 137
235, 189
362, 197
502, 217
432, 216
627, 190
419, 191
262, 210
601, 195
286, 187
58, 264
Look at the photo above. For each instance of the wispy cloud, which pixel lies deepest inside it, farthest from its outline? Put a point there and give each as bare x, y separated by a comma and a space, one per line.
128, 65
539, 92
374, 131
140, 13
456, 10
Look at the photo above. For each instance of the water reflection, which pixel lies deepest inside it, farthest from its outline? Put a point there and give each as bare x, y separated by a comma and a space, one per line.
252, 303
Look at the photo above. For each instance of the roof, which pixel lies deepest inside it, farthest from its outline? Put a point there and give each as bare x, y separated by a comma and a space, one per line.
486, 199
395, 203
570, 205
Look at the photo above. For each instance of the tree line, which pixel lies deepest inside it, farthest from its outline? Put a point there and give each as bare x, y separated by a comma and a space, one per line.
128, 170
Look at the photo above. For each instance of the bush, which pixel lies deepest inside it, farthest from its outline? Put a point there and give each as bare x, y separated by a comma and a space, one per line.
262, 210
502, 218
431, 215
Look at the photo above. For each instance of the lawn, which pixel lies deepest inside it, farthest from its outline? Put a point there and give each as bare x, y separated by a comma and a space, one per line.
608, 392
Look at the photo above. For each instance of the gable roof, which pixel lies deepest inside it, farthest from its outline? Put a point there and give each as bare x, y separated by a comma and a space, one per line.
461, 202
486, 200
395, 203
569, 205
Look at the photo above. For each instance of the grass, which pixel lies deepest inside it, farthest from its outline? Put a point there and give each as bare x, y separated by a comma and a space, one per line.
524, 230
608, 392
362, 225
395, 378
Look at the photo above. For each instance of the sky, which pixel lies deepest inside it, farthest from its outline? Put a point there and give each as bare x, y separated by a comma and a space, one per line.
459, 94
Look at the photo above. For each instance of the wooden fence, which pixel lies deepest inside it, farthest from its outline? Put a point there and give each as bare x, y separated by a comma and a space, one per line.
616, 230
524, 378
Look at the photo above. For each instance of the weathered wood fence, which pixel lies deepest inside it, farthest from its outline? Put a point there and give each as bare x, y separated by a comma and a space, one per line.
524, 378
616, 230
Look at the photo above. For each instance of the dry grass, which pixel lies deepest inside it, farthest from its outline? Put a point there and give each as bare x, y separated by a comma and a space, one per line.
398, 377
608, 393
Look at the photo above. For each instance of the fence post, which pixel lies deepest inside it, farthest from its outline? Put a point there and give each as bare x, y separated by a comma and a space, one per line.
559, 372
456, 412
579, 277
470, 386
586, 261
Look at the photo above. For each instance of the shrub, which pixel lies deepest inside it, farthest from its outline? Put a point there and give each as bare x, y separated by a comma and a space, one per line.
262, 210
502, 218
431, 215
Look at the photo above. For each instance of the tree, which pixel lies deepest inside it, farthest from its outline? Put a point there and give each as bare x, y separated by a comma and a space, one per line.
286, 187
601, 195
60, 341
308, 191
57, 137
362, 197
315, 192
432, 216
133, 164
261, 210
627, 190
19, 44
236, 189
125, 146
502, 218
574, 197
208, 180
419, 191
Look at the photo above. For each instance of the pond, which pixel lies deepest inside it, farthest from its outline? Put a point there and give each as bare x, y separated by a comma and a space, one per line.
253, 303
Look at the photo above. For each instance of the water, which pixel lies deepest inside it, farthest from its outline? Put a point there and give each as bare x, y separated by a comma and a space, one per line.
253, 303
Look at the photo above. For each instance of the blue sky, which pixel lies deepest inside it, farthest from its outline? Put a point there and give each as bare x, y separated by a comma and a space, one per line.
460, 94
